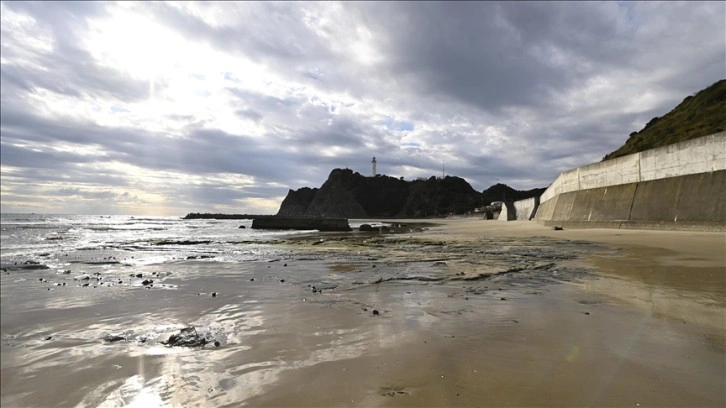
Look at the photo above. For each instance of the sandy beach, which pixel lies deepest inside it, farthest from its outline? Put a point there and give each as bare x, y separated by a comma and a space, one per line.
463, 312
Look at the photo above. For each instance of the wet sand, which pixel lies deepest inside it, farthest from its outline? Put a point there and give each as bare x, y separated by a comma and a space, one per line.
465, 313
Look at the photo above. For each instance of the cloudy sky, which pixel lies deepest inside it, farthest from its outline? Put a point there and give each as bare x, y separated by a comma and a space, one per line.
168, 108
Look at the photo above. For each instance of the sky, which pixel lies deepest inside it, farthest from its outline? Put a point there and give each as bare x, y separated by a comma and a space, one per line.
169, 108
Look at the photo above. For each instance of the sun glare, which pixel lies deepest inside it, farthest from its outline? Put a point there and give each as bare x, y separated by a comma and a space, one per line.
135, 44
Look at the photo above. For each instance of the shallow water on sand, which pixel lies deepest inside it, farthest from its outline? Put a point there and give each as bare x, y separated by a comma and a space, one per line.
366, 321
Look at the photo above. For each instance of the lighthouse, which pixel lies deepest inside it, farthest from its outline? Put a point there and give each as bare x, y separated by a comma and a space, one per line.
373, 166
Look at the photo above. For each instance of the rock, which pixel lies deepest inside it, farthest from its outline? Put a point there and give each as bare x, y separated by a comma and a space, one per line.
214, 294
252, 279
375, 312
112, 338
138, 275
67, 272
282, 280
147, 282
501, 298
46, 338
242, 227
557, 228
365, 228
187, 337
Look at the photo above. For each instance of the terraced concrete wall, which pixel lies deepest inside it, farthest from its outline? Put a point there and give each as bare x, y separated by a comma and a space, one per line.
691, 202
701, 155
682, 186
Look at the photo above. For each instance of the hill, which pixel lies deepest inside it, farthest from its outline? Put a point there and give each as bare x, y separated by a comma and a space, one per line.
352, 195
349, 194
502, 192
698, 115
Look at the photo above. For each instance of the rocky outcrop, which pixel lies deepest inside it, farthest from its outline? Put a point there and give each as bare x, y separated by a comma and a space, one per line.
348, 194
302, 223
297, 202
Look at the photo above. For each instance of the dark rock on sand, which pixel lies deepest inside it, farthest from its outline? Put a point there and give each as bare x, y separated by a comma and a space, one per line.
365, 228
147, 282
112, 338
187, 337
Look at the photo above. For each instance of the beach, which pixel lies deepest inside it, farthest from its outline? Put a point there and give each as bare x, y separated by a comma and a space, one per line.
452, 312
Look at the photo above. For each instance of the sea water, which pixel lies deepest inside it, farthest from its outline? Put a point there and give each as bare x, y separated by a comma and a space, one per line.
56, 240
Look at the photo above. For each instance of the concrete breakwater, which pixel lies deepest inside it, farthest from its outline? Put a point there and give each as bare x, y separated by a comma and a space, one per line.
680, 186
302, 223
519, 210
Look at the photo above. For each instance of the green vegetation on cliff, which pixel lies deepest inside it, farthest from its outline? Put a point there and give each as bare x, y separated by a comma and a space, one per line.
698, 115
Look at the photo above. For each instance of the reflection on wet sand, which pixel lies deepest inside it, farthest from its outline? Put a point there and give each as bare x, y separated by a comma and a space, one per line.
481, 321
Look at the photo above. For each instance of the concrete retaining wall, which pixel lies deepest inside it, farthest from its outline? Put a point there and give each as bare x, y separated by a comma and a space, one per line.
701, 155
519, 210
681, 186
508, 213
691, 202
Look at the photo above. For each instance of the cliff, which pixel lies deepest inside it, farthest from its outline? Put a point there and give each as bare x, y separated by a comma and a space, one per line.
349, 194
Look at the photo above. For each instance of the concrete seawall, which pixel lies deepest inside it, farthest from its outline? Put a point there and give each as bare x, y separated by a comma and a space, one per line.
519, 210
700, 155
681, 186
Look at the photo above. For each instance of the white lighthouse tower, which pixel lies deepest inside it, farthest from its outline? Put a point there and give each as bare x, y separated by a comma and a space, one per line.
373, 165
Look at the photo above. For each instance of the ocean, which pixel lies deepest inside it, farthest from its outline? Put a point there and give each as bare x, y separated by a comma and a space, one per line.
83, 241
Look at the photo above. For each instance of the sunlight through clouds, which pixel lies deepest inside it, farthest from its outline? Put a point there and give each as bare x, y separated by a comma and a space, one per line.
192, 106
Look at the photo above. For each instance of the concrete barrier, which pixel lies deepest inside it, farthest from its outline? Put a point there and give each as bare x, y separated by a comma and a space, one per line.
700, 155
693, 199
522, 210
681, 186
508, 212
691, 202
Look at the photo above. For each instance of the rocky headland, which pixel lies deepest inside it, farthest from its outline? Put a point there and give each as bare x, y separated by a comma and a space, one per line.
349, 194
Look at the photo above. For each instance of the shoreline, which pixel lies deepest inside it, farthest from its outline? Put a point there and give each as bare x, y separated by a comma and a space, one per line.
467, 313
